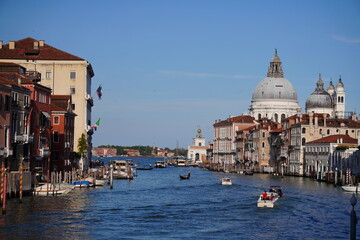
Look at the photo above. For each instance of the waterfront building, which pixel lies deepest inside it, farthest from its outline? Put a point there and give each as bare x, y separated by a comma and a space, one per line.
109, 152
62, 72
302, 128
274, 97
62, 131
197, 151
317, 154
132, 152
331, 102
253, 146
224, 142
164, 153
14, 111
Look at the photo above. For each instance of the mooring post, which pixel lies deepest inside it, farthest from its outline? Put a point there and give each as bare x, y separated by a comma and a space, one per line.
111, 176
353, 218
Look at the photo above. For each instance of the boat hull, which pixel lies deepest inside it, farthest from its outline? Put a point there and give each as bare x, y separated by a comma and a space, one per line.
350, 188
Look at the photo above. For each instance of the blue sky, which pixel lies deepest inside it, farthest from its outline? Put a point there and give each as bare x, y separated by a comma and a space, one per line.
167, 67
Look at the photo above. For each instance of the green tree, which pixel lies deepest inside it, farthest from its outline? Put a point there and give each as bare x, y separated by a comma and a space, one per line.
82, 145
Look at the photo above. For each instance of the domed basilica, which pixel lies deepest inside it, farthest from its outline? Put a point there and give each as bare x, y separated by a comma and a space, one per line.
275, 97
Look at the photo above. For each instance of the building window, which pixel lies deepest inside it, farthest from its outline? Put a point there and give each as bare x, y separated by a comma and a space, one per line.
303, 141
7, 103
73, 106
347, 132
200, 144
276, 117
303, 130
48, 74
320, 131
259, 116
72, 90
56, 136
282, 117
263, 134
72, 75
56, 120
328, 132
263, 144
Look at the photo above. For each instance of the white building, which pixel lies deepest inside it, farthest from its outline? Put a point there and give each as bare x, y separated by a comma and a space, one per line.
197, 152
274, 97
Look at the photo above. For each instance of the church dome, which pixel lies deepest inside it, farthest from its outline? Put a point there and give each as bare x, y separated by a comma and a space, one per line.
274, 88
320, 98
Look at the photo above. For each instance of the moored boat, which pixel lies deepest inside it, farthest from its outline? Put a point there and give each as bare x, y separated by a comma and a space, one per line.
350, 188
269, 198
81, 184
225, 181
160, 164
52, 189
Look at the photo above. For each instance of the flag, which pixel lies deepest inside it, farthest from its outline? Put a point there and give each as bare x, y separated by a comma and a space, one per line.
98, 91
28, 118
96, 124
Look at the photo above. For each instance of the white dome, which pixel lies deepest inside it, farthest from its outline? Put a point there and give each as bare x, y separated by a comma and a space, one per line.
272, 88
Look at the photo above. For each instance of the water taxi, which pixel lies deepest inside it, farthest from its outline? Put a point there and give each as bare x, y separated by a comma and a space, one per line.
160, 164
270, 197
350, 188
225, 181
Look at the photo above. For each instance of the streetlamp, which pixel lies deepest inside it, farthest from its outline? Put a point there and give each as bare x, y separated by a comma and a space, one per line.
353, 218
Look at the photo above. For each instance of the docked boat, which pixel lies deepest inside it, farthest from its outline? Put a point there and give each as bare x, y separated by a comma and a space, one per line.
100, 182
181, 163
81, 184
350, 188
52, 189
185, 176
122, 170
150, 167
160, 164
269, 198
225, 181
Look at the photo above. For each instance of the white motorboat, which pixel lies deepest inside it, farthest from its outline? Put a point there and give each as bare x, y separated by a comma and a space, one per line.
225, 181
100, 182
350, 188
52, 189
270, 197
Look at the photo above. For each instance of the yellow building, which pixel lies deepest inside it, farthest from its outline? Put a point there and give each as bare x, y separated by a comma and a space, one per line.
64, 73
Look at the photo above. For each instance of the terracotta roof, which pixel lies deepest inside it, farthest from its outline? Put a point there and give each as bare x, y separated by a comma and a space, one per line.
24, 49
276, 130
237, 119
334, 139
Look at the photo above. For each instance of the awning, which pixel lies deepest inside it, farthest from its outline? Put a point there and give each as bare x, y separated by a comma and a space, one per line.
46, 115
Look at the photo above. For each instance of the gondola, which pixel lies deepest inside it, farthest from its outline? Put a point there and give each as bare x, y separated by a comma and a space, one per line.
186, 176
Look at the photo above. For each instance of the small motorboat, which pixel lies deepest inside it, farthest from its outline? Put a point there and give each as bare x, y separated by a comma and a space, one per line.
185, 176
270, 197
81, 184
100, 182
160, 164
350, 188
52, 189
225, 181
150, 167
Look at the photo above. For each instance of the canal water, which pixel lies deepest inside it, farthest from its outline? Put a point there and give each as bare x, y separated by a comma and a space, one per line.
158, 205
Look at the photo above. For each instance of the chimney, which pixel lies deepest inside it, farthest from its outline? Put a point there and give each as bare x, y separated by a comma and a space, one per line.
325, 115
311, 118
36, 45
41, 43
1, 42
11, 44
316, 120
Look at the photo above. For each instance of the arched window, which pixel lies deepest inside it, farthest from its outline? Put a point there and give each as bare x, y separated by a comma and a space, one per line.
276, 117
197, 157
347, 132
303, 141
263, 134
282, 116
200, 144
279, 94
263, 144
328, 132
320, 131
342, 99
303, 130
259, 116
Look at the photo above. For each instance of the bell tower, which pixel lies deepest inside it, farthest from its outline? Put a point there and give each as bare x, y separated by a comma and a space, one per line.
340, 99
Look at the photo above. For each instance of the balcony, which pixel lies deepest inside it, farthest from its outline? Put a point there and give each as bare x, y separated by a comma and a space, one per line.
33, 76
8, 152
89, 99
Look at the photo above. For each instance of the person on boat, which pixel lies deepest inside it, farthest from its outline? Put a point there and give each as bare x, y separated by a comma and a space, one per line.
264, 195
271, 196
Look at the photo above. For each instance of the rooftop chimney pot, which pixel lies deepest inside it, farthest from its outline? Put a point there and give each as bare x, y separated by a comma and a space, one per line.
11, 44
